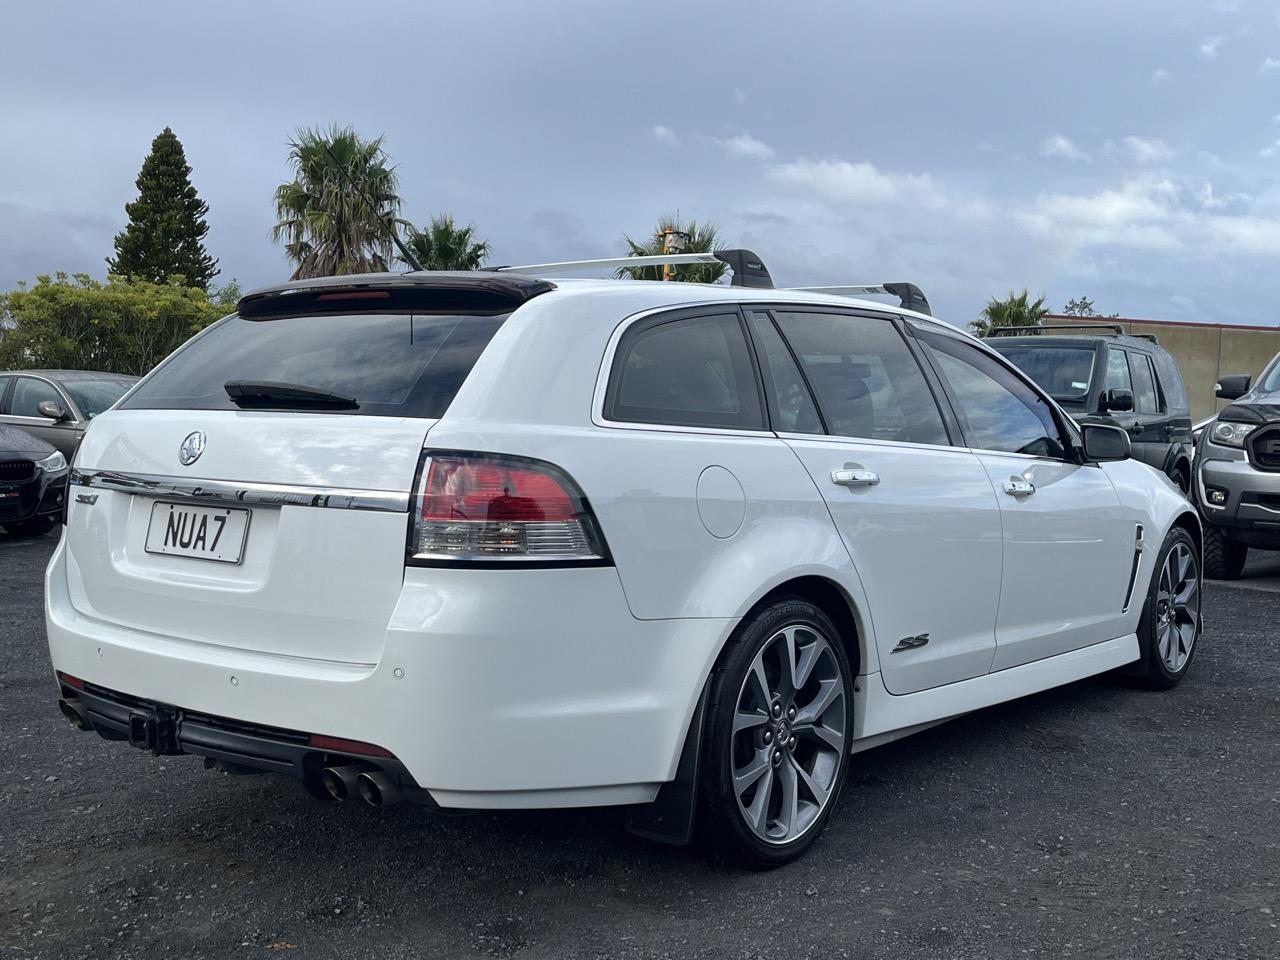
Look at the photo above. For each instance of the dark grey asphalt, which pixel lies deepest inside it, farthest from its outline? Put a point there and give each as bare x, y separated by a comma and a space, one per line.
1092, 821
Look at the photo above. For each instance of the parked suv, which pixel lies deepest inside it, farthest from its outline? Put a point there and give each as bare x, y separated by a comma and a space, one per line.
1238, 473
488, 540
1126, 381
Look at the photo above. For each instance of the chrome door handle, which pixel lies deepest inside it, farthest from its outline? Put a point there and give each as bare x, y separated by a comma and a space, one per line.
1019, 487
855, 478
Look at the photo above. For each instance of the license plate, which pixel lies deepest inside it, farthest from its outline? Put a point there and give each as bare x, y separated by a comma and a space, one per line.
205, 533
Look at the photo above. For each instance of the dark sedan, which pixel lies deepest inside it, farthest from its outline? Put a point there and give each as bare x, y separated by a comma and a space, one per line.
57, 405
33, 483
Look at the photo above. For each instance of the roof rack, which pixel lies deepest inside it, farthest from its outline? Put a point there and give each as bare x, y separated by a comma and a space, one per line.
910, 297
748, 269
1113, 328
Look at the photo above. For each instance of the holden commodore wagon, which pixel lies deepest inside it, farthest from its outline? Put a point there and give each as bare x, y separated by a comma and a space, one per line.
493, 541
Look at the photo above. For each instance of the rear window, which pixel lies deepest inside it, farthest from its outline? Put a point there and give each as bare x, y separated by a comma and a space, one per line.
393, 365
1062, 372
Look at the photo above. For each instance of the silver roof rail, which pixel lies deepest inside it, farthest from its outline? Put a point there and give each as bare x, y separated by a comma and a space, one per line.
910, 297
748, 269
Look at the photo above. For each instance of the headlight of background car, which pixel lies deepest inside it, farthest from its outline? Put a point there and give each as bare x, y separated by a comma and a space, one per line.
1231, 434
54, 463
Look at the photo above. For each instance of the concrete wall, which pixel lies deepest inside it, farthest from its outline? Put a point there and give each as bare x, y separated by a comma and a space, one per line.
1204, 351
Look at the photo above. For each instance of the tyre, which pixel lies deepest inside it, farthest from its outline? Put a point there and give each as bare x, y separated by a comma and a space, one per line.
1181, 476
1223, 557
35, 527
776, 742
1170, 622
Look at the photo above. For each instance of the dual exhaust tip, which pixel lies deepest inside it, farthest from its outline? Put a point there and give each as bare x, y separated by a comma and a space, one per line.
348, 781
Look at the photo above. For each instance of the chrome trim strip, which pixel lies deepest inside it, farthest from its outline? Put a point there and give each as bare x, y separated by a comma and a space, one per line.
226, 491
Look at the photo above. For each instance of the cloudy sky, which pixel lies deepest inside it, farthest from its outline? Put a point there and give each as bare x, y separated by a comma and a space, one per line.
1122, 149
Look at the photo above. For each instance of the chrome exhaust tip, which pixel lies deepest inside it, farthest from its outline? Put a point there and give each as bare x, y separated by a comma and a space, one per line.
74, 711
377, 788
340, 781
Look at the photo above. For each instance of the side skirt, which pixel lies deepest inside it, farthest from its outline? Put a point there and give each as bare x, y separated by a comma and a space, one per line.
878, 712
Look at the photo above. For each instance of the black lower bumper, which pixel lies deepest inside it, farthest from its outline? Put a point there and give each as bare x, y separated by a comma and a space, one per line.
231, 745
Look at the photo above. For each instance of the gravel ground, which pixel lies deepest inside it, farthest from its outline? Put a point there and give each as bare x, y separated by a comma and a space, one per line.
1092, 821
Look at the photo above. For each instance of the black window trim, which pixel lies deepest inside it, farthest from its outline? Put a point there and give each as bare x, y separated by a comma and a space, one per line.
904, 328
1065, 432
610, 371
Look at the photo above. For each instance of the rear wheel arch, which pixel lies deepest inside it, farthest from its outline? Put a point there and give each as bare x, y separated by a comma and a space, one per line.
828, 596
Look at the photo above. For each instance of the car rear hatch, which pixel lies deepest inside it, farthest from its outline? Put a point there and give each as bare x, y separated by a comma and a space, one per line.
253, 491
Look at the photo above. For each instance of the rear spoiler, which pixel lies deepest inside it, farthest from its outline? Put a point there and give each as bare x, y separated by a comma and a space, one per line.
473, 292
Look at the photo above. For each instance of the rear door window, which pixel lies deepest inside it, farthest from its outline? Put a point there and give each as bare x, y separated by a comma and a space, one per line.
1145, 397
864, 376
692, 371
793, 407
1117, 377
393, 365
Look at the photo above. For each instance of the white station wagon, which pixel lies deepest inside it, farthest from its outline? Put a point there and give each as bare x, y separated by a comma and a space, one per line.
493, 541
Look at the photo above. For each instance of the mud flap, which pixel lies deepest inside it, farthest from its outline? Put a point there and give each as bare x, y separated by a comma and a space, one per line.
670, 818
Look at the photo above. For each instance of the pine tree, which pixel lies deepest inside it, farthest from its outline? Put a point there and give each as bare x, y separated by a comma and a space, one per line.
166, 226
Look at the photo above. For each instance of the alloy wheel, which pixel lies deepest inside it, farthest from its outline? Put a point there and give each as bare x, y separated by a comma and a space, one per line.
1177, 613
788, 738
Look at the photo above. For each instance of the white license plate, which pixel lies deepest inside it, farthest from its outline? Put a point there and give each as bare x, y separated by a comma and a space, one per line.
206, 533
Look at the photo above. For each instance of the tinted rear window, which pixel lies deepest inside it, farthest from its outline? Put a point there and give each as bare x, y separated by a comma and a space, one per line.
1062, 372
394, 365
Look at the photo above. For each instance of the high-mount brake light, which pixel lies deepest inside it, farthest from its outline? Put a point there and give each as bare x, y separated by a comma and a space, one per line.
486, 507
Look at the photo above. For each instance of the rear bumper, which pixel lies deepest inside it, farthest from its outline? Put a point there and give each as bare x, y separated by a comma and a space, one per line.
496, 689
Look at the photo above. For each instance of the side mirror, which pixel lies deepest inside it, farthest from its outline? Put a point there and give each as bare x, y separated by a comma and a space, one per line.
53, 409
1103, 443
1232, 387
1116, 400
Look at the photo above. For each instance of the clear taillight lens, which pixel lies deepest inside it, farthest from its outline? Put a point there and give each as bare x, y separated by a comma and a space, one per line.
473, 506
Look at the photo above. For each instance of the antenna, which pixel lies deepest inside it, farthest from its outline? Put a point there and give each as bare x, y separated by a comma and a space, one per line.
405, 255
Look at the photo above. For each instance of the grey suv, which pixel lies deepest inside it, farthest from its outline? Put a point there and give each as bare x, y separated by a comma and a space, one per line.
1106, 376
1238, 473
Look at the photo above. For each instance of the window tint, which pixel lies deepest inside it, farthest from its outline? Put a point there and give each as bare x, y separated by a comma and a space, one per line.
999, 411
1117, 371
795, 411
28, 393
1144, 386
693, 372
1062, 372
394, 365
865, 377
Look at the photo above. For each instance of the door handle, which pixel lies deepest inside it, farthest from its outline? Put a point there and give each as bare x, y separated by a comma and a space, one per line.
1019, 487
855, 478
1136, 428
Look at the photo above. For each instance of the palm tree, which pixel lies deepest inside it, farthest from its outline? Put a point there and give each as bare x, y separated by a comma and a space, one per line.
702, 239
445, 246
339, 213
1017, 310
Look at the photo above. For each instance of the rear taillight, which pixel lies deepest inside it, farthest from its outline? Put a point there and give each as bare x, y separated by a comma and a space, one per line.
486, 507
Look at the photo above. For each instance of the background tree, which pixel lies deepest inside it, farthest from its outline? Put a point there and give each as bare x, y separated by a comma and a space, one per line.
122, 326
443, 245
1016, 310
165, 234
339, 212
702, 239
1082, 307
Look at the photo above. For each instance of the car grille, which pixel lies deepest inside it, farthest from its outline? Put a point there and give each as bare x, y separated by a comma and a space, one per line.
1264, 448
17, 471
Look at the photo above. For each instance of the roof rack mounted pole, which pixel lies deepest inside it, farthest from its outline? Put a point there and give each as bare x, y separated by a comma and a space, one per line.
748, 269
910, 297
1095, 327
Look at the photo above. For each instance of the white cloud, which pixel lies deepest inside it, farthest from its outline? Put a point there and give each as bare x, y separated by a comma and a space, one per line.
1210, 200
665, 135
1141, 150
1061, 147
860, 182
1269, 65
1225, 6
1271, 151
1160, 75
746, 147
1209, 47
1136, 214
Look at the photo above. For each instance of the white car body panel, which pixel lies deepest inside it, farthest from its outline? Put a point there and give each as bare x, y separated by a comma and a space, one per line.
563, 687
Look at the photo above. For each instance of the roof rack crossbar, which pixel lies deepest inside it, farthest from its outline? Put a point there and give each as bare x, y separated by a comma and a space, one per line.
910, 297
1096, 327
748, 269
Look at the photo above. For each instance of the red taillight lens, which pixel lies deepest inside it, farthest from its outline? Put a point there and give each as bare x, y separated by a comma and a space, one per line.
71, 681
487, 507
342, 745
